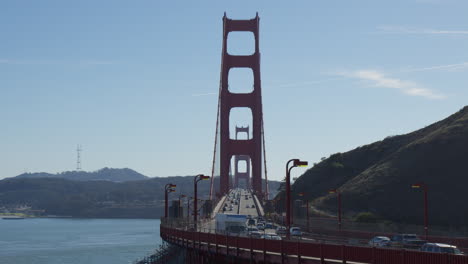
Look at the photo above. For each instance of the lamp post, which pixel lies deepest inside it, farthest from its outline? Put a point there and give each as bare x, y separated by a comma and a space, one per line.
188, 208
180, 205
426, 221
296, 163
167, 189
197, 178
339, 206
307, 210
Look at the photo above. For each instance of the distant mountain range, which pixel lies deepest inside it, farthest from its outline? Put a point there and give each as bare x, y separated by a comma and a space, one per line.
377, 177
105, 174
106, 193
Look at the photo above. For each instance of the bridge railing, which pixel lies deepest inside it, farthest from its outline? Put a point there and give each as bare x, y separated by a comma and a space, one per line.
287, 248
327, 228
302, 249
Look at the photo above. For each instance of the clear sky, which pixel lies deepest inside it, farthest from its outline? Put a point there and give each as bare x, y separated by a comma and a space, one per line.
135, 82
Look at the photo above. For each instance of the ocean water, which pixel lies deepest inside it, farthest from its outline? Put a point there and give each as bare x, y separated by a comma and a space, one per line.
72, 241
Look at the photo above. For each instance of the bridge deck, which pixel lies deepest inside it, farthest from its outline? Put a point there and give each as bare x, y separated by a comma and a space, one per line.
243, 207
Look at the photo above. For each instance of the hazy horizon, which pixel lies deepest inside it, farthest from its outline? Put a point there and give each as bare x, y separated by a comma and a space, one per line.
136, 83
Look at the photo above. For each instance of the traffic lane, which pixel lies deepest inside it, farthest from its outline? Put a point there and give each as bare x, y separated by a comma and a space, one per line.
230, 200
246, 207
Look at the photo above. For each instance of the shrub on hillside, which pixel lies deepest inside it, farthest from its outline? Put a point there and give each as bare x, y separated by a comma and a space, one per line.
366, 217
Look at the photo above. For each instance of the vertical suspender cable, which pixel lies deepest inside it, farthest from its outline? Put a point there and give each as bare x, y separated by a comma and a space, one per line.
215, 145
217, 119
264, 162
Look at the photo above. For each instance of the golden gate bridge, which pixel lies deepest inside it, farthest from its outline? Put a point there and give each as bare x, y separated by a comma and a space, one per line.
201, 240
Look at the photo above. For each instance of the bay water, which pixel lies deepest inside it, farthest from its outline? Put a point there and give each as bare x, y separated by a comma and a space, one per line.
73, 241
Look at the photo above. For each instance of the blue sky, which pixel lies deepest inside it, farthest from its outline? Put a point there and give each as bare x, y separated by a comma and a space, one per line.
135, 82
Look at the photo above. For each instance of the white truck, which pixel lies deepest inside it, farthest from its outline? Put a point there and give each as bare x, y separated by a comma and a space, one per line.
231, 223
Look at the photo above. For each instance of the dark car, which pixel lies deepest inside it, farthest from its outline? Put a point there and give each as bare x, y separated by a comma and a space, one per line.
410, 241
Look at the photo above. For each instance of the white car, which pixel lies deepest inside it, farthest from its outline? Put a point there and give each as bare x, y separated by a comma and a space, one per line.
255, 234
281, 230
251, 229
379, 241
295, 231
271, 237
441, 248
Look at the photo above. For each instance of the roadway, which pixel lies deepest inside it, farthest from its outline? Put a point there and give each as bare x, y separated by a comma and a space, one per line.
234, 203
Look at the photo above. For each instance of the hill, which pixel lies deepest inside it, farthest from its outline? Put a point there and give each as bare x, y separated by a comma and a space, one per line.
97, 198
58, 196
377, 177
105, 174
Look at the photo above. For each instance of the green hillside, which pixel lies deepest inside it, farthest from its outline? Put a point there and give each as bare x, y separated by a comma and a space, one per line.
137, 199
98, 198
104, 174
377, 177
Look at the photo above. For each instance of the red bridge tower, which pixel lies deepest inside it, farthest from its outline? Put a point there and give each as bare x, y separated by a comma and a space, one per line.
252, 147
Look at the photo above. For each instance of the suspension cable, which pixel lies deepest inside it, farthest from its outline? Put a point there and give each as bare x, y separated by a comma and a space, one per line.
264, 161
215, 145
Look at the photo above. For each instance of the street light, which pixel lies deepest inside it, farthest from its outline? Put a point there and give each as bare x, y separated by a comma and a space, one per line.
296, 163
197, 178
180, 205
167, 189
188, 208
426, 222
307, 209
339, 205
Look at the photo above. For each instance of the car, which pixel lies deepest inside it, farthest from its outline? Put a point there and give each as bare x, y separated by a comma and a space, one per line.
295, 231
379, 241
270, 237
441, 248
281, 230
253, 205
255, 234
410, 241
251, 222
250, 229
261, 226
269, 226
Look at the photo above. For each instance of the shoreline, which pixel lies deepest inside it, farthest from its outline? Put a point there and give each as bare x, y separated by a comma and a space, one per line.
71, 217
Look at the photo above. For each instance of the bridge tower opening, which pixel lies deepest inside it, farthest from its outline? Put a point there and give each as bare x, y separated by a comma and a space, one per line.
242, 175
252, 147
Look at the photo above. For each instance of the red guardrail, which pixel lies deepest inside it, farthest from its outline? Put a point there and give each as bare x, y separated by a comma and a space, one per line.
460, 242
309, 249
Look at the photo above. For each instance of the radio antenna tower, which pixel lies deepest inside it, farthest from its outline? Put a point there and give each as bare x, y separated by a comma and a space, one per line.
78, 157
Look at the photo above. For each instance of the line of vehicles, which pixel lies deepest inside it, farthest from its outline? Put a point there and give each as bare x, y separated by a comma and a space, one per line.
258, 227
412, 241
231, 201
